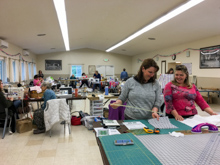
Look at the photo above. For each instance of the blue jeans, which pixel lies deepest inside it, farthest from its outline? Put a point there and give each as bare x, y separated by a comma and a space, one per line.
17, 103
94, 85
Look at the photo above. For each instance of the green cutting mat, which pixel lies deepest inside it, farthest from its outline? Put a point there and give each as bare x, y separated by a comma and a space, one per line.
180, 126
136, 154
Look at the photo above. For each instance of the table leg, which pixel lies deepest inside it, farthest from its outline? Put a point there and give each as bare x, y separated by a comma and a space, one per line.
208, 98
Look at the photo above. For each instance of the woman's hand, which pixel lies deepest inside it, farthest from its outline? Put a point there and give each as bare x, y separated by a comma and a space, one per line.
210, 111
179, 118
155, 115
116, 104
213, 113
176, 115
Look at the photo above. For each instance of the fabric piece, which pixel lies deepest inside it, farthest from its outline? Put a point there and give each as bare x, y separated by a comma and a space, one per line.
199, 149
36, 88
195, 120
163, 123
116, 114
176, 134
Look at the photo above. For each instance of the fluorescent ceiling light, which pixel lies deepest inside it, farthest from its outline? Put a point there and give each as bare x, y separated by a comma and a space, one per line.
61, 14
157, 22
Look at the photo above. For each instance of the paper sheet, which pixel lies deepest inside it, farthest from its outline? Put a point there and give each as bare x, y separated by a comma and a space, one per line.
110, 131
195, 120
134, 125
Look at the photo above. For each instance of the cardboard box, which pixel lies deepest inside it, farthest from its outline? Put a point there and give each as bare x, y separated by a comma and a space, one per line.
24, 125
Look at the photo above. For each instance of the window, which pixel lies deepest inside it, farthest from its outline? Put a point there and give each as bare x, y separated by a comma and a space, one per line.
30, 70
35, 71
76, 70
23, 77
14, 70
1, 69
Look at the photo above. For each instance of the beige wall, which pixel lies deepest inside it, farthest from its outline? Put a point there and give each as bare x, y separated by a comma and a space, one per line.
84, 57
203, 74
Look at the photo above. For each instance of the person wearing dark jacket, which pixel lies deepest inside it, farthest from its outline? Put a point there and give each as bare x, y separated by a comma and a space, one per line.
8, 103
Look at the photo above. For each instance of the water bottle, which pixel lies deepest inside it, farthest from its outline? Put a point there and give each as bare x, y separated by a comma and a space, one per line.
106, 90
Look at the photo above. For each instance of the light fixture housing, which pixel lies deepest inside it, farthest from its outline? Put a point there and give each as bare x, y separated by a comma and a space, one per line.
61, 14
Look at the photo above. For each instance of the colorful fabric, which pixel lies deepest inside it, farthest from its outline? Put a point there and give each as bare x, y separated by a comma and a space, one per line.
182, 99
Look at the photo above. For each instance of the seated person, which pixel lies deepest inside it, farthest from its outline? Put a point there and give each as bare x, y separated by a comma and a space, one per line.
73, 83
39, 114
97, 75
36, 81
10, 104
180, 95
84, 81
41, 79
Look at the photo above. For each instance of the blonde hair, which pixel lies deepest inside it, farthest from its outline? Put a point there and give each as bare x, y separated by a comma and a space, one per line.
184, 69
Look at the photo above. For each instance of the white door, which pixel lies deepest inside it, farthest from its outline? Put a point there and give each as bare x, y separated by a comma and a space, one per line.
106, 71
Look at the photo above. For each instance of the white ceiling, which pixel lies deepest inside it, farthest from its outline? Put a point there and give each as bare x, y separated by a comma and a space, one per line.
100, 24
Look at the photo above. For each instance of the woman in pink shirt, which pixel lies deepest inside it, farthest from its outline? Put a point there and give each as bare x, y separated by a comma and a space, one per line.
180, 95
36, 81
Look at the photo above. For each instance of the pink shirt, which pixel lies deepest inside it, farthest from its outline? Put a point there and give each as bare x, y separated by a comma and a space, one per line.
182, 99
35, 82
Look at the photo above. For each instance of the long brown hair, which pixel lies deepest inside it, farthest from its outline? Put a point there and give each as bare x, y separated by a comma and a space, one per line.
147, 63
171, 69
184, 69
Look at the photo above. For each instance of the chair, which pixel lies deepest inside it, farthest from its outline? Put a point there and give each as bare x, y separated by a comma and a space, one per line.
56, 110
7, 117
